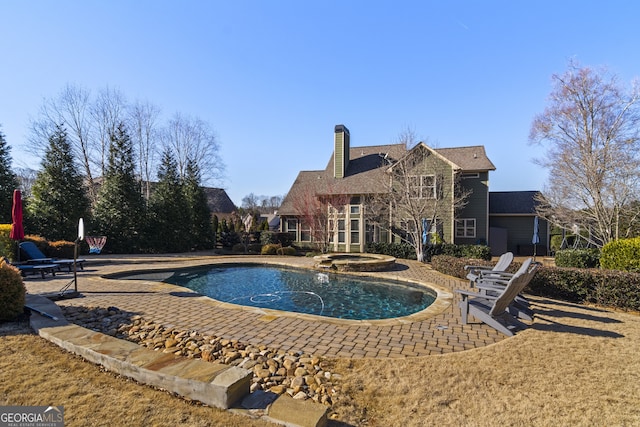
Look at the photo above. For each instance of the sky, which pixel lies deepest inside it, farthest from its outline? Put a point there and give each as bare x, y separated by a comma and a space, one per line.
273, 78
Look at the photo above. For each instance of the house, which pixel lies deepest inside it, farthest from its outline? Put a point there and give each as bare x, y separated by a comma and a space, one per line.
511, 223
340, 204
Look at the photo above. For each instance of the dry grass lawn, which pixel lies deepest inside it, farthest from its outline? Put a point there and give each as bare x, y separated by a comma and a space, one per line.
577, 366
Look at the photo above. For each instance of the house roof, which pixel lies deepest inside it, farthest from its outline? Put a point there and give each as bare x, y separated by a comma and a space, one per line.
469, 159
512, 202
366, 171
218, 201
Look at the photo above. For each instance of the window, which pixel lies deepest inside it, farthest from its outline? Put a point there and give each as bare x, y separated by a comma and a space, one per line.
466, 227
292, 225
305, 231
355, 231
341, 232
422, 186
355, 210
470, 175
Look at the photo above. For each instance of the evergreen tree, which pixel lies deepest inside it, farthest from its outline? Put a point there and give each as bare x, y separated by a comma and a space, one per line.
169, 219
58, 196
200, 228
8, 182
120, 210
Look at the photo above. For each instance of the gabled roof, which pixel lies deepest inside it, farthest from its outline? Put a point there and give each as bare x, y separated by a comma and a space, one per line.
366, 171
512, 202
218, 201
468, 159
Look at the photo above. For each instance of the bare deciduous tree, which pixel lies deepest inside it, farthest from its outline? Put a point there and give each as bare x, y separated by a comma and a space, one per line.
70, 109
191, 139
419, 195
590, 129
319, 209
143, 119
108, 111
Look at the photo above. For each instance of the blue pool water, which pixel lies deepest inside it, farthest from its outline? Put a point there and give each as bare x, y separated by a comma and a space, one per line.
302, 291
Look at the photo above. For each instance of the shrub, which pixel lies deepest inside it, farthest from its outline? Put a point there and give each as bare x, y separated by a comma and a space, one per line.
12, 292
578, 258
229, 238
238, 248
397, 250
271, 249
61, 249
623, 254
287, 250
608, 288
8, 247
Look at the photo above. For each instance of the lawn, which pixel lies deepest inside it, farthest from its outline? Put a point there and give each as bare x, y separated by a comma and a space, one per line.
575, 366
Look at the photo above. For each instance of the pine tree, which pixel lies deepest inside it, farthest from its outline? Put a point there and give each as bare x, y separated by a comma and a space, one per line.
120, 210
58, 196
169, 218
8, 182
200, 228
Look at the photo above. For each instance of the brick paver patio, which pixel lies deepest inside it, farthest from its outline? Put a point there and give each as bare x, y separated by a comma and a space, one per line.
172, 306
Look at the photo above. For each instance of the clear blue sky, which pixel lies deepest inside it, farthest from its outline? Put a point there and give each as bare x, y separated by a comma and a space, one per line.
273, 78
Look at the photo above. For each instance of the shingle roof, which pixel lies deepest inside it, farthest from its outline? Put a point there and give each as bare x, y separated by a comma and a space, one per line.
218, 201
365, 172
512, 202
472, 158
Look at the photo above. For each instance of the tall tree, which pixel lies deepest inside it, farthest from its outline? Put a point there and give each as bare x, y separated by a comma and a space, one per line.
192, 140
58, 195
590, 129
200, 227
119, 212
169, 218
71, 109
8, 181
107, 112
421, 193
143, 119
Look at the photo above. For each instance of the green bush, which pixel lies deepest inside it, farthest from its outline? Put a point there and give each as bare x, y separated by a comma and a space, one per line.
578, 258
12, 292
622, 254
287, 250
270, 249
607, 288
8, 247
396, 250
61, 249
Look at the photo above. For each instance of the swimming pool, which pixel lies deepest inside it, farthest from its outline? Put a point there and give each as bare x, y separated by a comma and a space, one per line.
305, 291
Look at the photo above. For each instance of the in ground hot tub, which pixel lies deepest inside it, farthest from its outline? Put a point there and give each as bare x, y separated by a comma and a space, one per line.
355, 262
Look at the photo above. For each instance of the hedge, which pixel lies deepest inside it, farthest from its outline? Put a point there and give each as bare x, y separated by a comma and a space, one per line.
622, 254
607, 288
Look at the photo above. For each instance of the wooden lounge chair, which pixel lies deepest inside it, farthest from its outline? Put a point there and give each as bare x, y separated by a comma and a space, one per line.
493, 308
35, 256
476, 272
495, 285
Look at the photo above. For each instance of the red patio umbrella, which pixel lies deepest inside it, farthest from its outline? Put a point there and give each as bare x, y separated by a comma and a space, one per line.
17, 231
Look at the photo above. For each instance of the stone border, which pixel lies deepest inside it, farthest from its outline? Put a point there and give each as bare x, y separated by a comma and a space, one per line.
341, 262
214, 384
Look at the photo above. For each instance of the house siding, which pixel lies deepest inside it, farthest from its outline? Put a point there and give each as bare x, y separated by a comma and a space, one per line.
520, 233
477, 207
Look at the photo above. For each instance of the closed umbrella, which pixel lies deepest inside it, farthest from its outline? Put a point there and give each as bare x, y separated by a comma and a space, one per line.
17, 231
536, 238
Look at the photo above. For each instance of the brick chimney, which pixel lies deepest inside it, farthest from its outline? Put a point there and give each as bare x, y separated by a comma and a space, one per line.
341, 151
